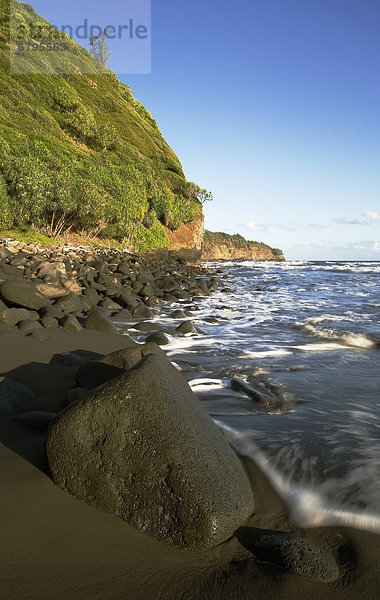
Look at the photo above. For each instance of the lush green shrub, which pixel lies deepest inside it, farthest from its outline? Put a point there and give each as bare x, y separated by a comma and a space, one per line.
143, 239
162, 203
82, 123
64, 99
76, 118
107, 136
6, 212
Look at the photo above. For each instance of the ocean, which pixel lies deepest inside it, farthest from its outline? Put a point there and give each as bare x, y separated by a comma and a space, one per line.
287, 363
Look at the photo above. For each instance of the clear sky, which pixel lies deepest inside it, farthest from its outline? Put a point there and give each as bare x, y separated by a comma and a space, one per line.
274, 106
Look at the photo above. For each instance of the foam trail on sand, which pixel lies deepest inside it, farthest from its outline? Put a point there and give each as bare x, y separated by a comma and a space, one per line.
306, 505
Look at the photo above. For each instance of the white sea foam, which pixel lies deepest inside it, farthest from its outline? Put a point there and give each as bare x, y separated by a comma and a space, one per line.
265, 353
307, 504
349, 338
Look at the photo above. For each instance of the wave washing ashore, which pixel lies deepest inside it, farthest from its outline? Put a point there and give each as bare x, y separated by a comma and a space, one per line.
305, 337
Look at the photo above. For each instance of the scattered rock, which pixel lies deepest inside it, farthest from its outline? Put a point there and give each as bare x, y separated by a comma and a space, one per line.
100, 322
68, 359
29, 325
13, 395
128, 300
177, 314
39, 336
49, 322
147, 326
259, 393
289, 552
70, 323
51, 291
142, 311
70, 304
122, 315
23, 293
186, 327
110, 304
159, 338
12, 316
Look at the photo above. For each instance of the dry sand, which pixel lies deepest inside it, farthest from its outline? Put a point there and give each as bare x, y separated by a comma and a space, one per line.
53, 547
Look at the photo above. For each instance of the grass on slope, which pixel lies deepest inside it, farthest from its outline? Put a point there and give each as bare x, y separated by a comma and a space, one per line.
77, 151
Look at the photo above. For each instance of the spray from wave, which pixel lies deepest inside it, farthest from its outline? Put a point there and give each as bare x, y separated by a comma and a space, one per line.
345, 337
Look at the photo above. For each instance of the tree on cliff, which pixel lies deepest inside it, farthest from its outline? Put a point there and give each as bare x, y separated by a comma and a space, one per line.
201, 195
100, 48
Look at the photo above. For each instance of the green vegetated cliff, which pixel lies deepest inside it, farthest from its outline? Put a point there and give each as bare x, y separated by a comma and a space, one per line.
77, 151
222, 246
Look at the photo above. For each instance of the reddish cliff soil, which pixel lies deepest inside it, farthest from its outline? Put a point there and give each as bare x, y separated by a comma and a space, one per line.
188, 239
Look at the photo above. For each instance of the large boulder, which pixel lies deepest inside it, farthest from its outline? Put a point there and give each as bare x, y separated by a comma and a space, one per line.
23, 293
96, 372
142, 448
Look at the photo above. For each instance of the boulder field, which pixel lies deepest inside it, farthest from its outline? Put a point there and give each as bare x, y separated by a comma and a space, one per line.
76, 288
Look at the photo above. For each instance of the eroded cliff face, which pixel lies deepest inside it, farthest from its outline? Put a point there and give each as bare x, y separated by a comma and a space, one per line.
192, 242
223, 252
188, 239
222, 246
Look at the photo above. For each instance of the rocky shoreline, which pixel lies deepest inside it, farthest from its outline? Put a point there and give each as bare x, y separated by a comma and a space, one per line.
76, 287
158, 504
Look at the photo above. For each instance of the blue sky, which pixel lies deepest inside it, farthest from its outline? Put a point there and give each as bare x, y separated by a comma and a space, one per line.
274, 106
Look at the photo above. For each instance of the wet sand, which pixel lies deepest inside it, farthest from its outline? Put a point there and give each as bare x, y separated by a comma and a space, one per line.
53, 546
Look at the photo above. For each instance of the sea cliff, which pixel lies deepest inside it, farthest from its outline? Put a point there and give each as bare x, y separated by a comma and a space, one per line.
194, 243
222, 246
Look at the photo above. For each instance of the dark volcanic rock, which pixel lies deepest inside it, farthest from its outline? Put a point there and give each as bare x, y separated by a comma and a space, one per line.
110, 304
75, 394
29, 325
147, 326
70, 304
100, 322
158, 337
291, 553
23, 293
128, 300
142, 448
70, 323
177, 314
49, 322
52, 291
12, 316
142, 311
96, 372
14, 395
186, 327
11, 272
